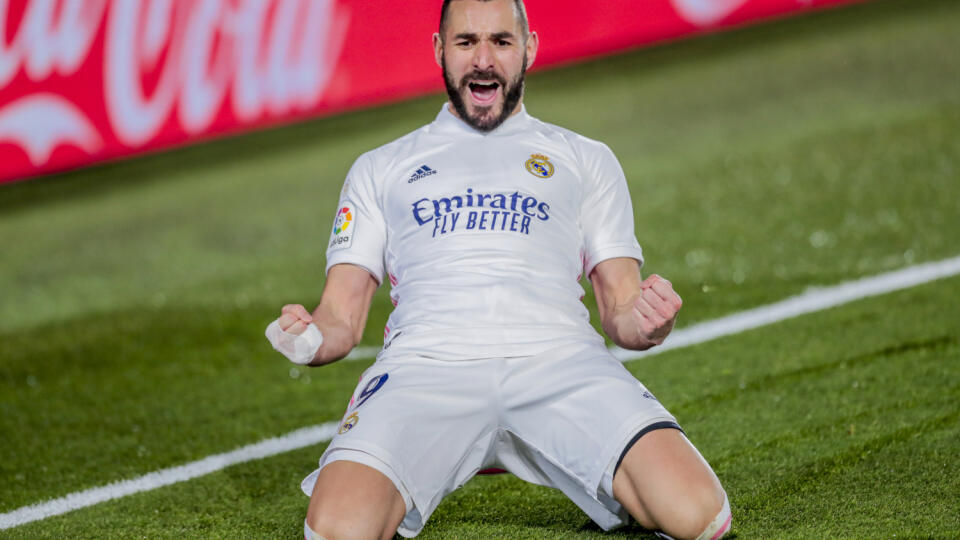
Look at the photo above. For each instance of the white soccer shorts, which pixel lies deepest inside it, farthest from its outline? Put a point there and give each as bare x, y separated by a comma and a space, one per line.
561, 419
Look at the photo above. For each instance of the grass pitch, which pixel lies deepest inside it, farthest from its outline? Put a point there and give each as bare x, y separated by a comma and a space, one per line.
762, 162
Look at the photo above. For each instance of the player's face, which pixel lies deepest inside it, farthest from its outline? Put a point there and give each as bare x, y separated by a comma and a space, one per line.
484, 57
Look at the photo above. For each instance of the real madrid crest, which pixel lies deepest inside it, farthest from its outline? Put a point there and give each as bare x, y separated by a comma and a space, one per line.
348, 424
539, 165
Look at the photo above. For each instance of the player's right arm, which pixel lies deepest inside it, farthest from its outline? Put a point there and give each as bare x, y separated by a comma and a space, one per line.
341, 315
355, 265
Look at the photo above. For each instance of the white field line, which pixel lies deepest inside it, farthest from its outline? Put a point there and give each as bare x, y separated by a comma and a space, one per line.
813, 300
81, 499
363, 353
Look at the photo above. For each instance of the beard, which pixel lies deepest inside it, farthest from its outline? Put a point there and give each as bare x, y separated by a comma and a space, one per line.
482, 120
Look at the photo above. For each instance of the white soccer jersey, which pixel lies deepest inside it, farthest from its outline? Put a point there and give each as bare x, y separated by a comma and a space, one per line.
484, 237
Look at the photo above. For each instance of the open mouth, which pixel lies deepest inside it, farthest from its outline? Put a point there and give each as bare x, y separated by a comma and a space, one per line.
484, 93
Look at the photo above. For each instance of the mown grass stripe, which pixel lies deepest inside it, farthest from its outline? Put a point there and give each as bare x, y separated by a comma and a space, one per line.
808, 302
814, 299
269, 447
815, 370
811, 472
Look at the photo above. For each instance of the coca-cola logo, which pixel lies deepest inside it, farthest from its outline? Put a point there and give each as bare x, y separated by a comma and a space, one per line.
49, 41
40, 122
186, 60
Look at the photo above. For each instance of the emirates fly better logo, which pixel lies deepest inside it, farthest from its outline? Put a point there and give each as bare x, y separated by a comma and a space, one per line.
343, 227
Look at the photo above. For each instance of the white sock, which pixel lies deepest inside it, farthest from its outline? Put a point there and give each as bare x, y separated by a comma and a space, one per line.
716, 529
308, 533
720, 524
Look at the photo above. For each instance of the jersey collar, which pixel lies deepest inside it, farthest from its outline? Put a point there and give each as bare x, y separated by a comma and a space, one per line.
446, 122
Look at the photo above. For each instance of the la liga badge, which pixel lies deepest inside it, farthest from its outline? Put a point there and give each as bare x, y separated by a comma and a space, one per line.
344, 226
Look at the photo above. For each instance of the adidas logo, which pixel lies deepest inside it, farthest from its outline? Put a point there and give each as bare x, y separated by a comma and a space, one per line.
421, 173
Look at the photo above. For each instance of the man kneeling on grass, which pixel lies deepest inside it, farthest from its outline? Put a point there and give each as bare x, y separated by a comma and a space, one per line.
484, 221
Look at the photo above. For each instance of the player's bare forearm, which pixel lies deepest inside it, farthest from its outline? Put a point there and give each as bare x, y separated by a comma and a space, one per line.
341, 315
616, 283
635, 313
339, 337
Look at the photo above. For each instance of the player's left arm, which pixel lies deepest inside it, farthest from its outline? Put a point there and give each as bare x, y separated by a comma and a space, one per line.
636, 313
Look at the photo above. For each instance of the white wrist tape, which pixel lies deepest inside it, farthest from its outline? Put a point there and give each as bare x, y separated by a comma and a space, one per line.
299, 349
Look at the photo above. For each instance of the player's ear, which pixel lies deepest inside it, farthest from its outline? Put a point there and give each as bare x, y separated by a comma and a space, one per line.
438, 49
533, 44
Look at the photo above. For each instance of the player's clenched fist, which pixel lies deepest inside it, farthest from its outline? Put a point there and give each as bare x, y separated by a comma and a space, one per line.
655, 309
295, 335
294, 319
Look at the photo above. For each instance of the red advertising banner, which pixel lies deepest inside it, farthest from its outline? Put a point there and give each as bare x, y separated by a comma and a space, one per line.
83, 81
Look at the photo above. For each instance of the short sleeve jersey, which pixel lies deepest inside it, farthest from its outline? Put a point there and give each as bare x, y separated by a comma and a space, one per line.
484, 237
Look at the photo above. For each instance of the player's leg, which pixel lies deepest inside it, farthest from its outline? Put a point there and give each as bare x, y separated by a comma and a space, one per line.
575, 410
665, 484
397, 453
351, 500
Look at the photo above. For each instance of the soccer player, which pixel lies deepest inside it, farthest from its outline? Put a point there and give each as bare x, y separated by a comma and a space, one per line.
484, 221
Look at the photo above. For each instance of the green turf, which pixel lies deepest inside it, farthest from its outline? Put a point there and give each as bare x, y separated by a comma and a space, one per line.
761, 162
855, 433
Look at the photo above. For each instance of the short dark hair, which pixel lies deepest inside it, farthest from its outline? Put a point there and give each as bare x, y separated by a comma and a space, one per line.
517, 4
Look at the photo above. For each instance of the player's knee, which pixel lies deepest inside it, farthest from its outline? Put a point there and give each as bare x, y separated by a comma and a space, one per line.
704, 516
334, 522
319, 526
720, 524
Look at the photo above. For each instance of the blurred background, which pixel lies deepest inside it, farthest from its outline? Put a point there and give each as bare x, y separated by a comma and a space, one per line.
85, 81
169, 172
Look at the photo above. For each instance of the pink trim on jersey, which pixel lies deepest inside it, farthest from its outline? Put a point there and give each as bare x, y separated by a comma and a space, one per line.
393, 283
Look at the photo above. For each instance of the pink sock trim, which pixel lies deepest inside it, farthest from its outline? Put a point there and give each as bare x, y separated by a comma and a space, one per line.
723, 530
